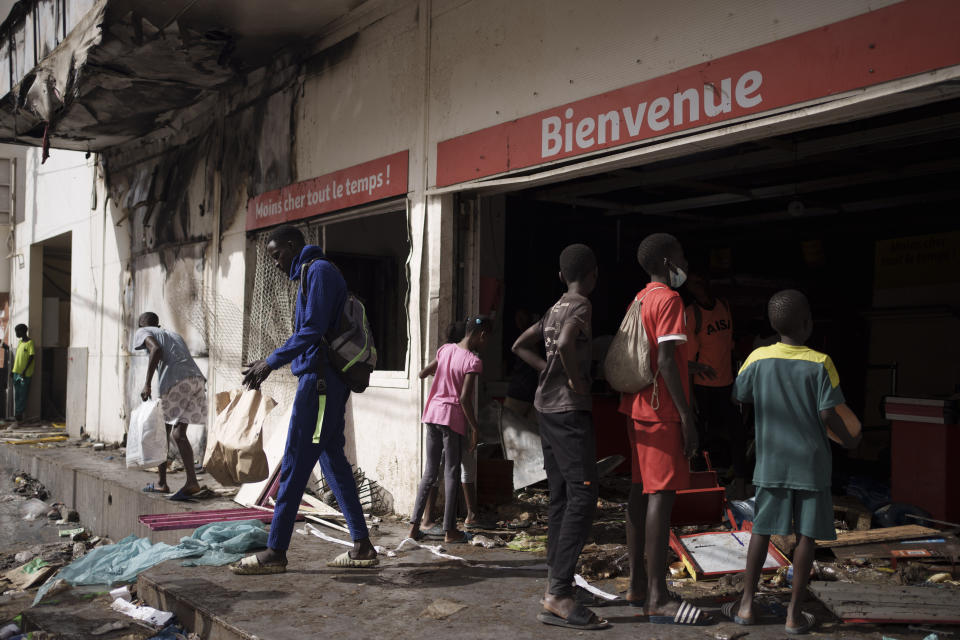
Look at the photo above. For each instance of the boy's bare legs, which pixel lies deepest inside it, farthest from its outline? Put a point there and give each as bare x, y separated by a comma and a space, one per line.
658, 601
186, 455
802, 563
470, 495
756, 555
161, 485
636, 524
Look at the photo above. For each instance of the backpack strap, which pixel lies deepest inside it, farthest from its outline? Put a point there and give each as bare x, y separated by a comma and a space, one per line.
655, 394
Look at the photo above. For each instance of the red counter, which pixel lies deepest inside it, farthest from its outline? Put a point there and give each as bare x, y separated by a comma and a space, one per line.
925, 440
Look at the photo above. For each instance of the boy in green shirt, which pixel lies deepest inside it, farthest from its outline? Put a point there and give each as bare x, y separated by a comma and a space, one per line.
23, 366
796, 396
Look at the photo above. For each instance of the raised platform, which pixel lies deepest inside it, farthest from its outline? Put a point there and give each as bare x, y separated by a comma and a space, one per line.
99, 486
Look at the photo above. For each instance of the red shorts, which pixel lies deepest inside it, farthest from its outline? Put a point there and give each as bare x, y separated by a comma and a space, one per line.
658, 460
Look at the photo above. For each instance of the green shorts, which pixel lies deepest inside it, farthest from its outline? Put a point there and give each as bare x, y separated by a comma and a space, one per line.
782, 511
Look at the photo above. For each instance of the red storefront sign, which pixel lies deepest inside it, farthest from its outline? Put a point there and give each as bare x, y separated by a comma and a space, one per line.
360, 184
890, 43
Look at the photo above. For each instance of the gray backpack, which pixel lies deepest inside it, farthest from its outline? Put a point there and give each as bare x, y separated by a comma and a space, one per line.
627, 366
350, 348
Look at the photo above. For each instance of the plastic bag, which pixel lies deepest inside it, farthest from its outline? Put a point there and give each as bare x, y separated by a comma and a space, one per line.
147, 437
33, 509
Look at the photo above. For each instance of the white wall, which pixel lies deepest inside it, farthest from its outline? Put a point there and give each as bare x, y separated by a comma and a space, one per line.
495, 60
61, 196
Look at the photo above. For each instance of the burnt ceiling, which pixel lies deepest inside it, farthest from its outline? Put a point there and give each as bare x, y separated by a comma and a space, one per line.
129, 68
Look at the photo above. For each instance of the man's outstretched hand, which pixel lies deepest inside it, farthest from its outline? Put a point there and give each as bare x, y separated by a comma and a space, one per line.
255, 374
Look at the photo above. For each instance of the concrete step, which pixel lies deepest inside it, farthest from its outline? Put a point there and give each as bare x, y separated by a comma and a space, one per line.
99, 486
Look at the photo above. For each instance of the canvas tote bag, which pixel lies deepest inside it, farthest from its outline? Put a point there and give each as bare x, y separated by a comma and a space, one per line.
235, 453
627, 366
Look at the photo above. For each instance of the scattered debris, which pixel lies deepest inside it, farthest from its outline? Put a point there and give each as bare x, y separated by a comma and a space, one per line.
29, 486
939, 577
717, 552
442, 608
9, 631
106, 628
530, 543
142, 612
33, 509
480, 540
123, 593
30, 574
905, 532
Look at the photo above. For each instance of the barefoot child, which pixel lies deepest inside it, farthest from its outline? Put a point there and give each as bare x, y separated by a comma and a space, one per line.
450, 416
663, 434
564, 410
796, 396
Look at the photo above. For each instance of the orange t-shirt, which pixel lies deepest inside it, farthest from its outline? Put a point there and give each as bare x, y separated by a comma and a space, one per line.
714, 342
662, 315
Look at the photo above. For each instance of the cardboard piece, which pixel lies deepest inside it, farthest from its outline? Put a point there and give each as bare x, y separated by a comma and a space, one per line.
274, 430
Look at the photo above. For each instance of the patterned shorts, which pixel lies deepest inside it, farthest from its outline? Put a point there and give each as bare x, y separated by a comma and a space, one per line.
186, 401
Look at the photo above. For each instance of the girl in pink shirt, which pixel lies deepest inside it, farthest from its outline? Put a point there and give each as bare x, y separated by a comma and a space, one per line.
450, 415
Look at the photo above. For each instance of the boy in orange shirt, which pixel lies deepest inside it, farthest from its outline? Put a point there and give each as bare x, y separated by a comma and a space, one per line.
663, 435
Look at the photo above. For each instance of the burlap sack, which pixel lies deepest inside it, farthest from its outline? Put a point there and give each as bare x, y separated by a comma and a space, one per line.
235, 443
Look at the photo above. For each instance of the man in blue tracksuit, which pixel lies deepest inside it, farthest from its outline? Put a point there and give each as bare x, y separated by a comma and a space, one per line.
321, 396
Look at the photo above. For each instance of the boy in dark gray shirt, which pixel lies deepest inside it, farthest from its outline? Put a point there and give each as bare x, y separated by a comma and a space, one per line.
564, 409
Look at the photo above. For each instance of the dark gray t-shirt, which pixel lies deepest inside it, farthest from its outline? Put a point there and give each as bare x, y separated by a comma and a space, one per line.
176, 364
554, 395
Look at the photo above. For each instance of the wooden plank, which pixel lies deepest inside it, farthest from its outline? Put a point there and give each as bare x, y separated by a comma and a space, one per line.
873, 603
905, 532
948, 549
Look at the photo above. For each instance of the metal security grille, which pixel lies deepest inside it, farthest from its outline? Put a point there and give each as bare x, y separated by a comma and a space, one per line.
269, 320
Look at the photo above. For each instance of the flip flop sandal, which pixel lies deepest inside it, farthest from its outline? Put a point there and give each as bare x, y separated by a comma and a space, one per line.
730, 610
587, 599
809, 620
344, 561
436, 531
580, 618
687, 615
251, 566
463, 540
151, 488
181, 496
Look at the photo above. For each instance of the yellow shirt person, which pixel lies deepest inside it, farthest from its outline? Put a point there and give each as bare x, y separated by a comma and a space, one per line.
24, 364
23, 361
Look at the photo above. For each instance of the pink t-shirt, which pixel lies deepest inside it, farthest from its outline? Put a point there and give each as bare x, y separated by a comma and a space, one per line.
443, 402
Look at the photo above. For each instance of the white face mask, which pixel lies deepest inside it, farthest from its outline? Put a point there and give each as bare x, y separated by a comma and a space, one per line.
677, 277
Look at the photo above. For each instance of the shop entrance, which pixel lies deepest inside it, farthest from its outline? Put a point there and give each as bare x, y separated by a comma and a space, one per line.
55, 327
858, 215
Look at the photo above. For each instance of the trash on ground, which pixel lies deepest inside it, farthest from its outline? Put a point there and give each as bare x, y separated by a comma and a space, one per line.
715, 553
9, 631
33, 509
442, 608
143, 612
122, 593
480, 540
106, 628
212, 544
30, 574
905, 532
531, 543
